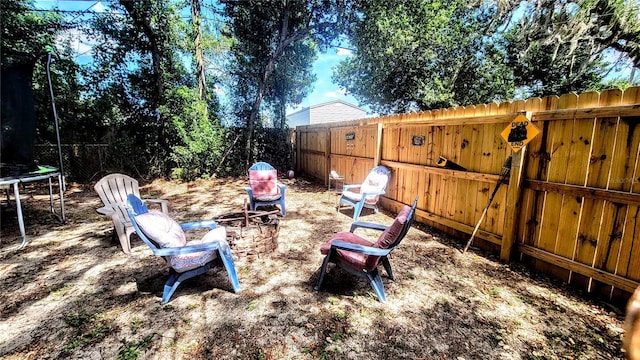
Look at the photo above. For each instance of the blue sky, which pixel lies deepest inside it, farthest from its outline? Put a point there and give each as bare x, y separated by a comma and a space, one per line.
324, 90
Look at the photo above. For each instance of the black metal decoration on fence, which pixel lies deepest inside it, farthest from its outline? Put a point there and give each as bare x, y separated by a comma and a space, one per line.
350, 136
417, 140
448, 164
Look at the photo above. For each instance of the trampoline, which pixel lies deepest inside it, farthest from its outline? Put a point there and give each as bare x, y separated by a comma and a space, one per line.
17, 134
42, 173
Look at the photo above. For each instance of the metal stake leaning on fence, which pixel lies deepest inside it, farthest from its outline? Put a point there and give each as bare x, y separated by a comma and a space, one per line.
504, 174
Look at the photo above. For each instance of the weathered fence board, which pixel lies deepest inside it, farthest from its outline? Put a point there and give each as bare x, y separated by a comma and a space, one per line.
574, 212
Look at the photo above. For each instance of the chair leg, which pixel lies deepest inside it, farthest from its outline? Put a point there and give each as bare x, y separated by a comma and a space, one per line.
170, 286
175, 279
323, 271
282, 210
378, 288
123, 237
387, 267
227, 261
357, 209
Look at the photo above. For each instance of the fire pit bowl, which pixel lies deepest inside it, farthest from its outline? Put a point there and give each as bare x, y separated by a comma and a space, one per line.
251, 234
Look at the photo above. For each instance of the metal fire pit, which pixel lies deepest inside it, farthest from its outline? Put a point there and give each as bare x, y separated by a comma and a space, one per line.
251, 234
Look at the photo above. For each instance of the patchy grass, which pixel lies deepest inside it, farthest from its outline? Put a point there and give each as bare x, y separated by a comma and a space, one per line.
71, 293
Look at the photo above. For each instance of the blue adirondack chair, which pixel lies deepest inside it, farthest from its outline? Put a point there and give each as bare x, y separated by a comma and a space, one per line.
368, 192
166, 238
264, 188
361, 257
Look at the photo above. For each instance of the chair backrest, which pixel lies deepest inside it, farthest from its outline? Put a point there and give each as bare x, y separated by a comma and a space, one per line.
376, 181
263, 179
393, 235
137, 207
114, 188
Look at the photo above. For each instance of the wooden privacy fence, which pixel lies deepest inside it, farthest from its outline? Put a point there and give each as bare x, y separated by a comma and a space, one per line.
571, 205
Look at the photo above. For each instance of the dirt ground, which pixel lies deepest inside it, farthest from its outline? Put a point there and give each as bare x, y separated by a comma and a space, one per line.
71, 293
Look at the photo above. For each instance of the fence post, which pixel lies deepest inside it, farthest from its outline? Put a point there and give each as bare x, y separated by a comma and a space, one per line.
327, 154
298, 150
378, 156
512, 211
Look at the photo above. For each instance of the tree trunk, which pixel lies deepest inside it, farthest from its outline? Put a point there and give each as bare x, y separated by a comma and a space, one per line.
255, 110
157, 54
196, 18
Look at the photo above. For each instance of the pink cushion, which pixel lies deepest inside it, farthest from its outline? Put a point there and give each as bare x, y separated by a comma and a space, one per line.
161, 229
263, 182
186, 262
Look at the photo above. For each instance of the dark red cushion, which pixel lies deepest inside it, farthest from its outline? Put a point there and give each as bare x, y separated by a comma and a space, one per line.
390, 235
347, 237
353, 259
362, 261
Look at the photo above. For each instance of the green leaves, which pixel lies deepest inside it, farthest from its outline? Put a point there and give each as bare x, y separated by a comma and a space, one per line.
419, 55
414, 55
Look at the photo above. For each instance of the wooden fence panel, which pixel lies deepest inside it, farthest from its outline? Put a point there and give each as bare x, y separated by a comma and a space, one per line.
628, 265
312, 144
537, 165
575, 220
363, 145
465, 201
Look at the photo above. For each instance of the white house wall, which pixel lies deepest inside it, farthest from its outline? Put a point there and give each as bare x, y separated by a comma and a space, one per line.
299, 118
333, 112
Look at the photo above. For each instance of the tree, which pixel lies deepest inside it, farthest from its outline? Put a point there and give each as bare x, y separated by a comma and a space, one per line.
542, 69
26, 35
137, 72
600, 24
265, 32
418, 55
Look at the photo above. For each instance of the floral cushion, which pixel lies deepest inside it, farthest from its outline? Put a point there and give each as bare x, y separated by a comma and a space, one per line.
186, 262
374, 183
264, 183
161, 229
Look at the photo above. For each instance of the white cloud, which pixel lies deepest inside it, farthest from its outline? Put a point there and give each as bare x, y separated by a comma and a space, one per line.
340, 93
98, 7
343, 52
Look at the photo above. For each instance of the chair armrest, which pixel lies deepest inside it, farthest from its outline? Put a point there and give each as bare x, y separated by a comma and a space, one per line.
361, 249
211, 224
367, 225
352, 186
282, 187
107, 210
164, 204
189, 249
370, 193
